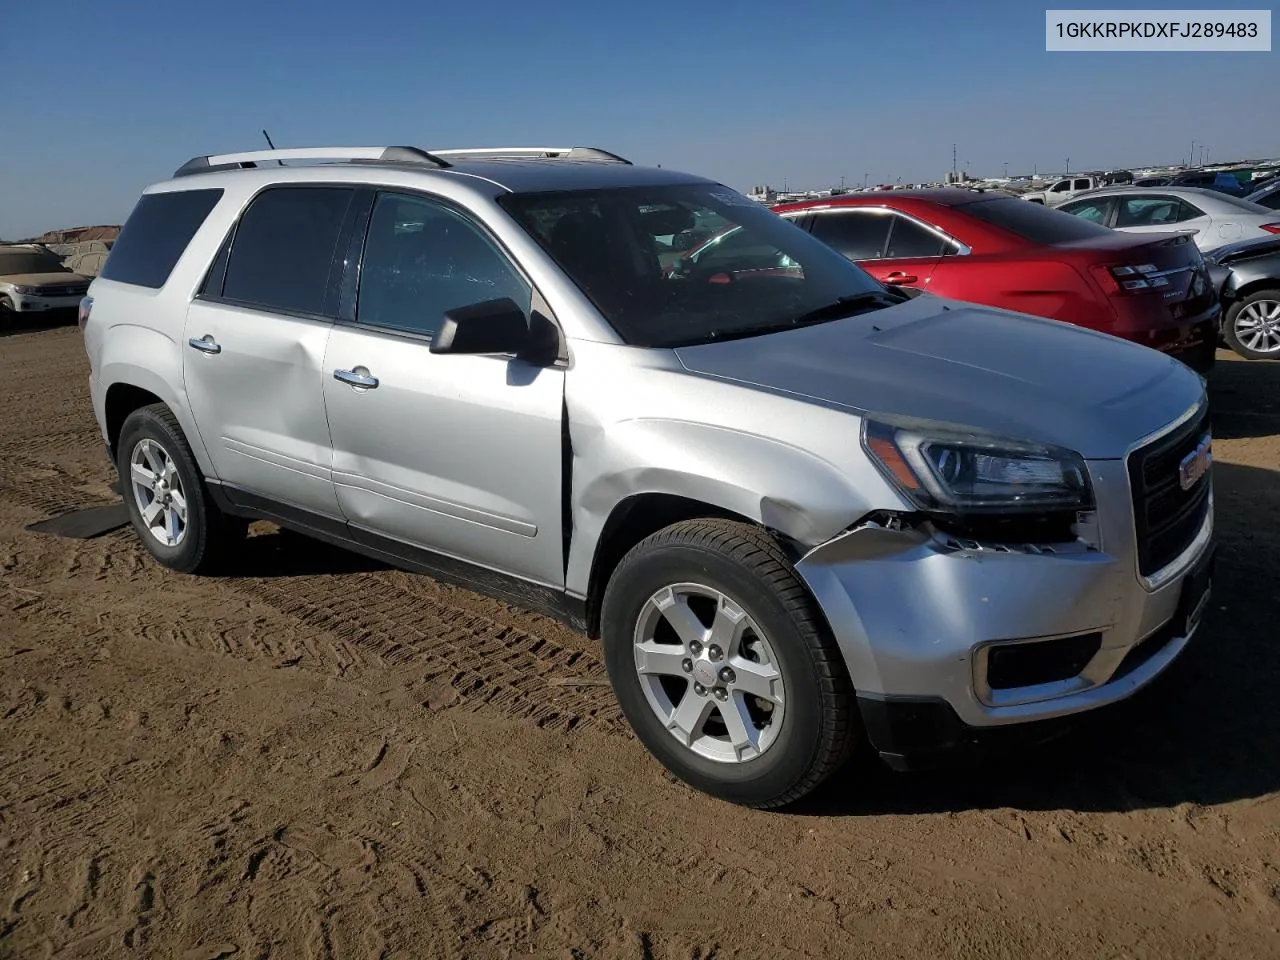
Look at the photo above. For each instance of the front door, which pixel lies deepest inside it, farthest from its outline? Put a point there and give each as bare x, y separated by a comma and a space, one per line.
460, 455
254, 346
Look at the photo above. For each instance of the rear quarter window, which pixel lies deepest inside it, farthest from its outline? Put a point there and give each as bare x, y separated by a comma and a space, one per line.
1032, 221
155, 236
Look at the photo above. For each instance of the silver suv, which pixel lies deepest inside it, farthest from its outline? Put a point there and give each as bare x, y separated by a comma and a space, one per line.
802, 511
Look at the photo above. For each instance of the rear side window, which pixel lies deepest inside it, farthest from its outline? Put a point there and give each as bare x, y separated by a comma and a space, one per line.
1033, 221
909, 239
155, 236
283, 248
857, 234
1153, 211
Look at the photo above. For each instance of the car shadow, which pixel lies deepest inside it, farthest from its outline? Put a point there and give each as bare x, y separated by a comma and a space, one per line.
275, 552
37, 322
1203, 733
1244, 397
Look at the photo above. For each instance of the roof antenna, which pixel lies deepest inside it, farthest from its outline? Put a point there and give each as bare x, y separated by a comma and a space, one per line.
271, 145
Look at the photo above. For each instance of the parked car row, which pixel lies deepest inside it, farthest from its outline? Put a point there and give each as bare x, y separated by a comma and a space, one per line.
801, 508
1211, 217
991, 248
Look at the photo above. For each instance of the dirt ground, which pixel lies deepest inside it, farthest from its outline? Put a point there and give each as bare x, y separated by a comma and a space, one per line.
321, 757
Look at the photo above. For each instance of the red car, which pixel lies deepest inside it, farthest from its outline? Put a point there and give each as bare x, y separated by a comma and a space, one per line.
991, 247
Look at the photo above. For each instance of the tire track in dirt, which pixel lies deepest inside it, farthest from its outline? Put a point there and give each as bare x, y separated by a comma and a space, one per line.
486, 656
47, 487
486, 662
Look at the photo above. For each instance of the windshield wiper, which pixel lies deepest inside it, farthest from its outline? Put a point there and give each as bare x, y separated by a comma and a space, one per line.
842, 307
837, 309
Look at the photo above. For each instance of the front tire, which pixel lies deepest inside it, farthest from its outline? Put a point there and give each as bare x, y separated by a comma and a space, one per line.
1252, 326
723, 665
168, 502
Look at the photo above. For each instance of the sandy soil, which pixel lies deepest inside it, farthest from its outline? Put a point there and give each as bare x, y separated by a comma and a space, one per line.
324, 758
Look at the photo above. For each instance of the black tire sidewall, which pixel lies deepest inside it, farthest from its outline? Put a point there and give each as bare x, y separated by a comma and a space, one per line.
144, 424
1229, 326
788, 759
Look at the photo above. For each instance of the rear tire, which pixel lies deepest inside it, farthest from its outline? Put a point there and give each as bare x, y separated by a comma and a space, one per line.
1252, 326
776, 713
169, 504
7, 313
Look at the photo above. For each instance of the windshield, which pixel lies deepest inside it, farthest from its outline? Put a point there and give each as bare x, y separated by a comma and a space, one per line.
1033, 222
25, 261
641, 255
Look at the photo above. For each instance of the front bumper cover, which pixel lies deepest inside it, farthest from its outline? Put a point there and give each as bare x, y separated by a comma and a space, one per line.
913, 614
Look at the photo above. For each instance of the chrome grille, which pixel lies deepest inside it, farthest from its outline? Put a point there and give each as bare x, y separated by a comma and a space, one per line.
1167, 517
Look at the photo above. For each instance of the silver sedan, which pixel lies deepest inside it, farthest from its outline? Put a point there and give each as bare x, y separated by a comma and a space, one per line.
1214, 218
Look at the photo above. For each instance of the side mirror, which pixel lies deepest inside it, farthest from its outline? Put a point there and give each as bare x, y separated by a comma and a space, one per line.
493, 326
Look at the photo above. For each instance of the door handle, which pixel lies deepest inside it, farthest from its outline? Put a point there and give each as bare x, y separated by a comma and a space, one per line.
359, 377
899, 277
205, 344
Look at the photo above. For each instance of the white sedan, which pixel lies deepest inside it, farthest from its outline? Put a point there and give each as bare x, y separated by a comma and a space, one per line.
1214, 218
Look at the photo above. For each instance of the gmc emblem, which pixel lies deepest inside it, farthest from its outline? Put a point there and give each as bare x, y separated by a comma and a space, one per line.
1195, 464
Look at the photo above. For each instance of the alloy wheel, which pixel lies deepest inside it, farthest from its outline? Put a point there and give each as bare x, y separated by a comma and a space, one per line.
709, 673
157, 490
1257, 326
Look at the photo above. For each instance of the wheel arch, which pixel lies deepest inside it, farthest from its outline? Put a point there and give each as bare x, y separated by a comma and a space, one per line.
131, 387
639, 516
1249, 288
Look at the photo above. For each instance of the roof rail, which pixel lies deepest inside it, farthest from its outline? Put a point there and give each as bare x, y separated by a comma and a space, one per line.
534, 153
252, 158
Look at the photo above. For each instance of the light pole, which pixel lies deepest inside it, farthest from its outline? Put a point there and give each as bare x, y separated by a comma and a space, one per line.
1006, 169
1068, 170
865, 178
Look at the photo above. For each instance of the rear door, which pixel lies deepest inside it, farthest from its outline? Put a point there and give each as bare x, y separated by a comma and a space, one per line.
456, 454
254, 343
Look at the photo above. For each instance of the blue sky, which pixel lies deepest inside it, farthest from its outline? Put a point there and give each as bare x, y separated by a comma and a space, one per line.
102, 99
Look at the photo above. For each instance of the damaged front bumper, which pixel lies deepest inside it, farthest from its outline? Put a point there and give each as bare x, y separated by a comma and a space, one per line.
951, 642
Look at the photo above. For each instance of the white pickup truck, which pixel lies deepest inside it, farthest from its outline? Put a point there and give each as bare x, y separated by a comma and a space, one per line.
1061, 191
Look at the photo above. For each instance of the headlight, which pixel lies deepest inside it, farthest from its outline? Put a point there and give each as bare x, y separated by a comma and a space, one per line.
21, 289
947, 469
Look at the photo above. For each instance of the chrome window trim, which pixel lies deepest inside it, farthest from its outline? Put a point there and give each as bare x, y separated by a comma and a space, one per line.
962, 249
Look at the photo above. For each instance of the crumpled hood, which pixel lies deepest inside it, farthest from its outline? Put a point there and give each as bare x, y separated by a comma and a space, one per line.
1019, 376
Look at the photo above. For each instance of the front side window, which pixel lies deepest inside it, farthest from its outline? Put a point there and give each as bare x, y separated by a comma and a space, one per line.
1095, 211
282, 255
858, 234
759, 273
422, 259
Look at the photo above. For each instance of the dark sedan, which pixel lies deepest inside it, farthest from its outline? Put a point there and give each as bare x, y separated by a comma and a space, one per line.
1247, 276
